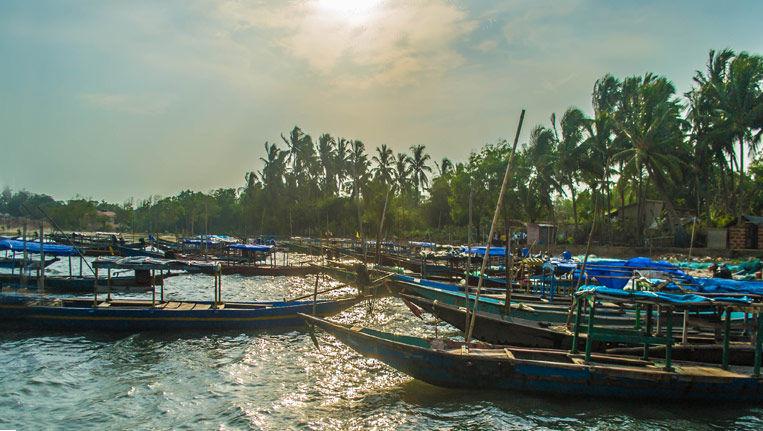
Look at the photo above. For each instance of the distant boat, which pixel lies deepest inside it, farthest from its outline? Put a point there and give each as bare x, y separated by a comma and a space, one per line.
99, 313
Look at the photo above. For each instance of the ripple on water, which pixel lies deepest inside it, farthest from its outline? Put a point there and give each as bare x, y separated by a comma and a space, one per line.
278, 380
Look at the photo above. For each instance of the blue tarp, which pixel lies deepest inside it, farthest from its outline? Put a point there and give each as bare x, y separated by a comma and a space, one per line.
480, 251
197, 242
421, 244
252, 247
720, 285
616, 273
34, 247
689, 299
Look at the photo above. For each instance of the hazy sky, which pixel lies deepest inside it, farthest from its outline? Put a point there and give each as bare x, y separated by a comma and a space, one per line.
113, 100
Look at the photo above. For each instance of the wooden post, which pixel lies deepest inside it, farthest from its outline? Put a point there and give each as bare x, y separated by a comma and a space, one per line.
576, 334
685, 330
669, 346
648, 330
95, 288
691, 244
315, 293
589, 335
492, 227
108, 286
726, 339
758, 344
41, 279
24, 264
467, 289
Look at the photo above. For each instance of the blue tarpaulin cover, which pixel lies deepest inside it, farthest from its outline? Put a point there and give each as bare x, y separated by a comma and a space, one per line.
615, 273
671, 298
34, 247
480, 251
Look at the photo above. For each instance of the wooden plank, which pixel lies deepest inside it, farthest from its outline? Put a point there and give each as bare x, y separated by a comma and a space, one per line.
172, 305
508, 353
186, 306
201, 306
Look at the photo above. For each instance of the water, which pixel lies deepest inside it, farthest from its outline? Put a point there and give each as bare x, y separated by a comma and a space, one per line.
278, 380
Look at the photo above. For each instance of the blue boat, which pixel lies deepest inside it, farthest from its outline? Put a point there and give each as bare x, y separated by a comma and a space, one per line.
560, 372
105, 313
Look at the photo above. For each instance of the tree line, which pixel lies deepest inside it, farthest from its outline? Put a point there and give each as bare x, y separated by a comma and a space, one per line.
644, 141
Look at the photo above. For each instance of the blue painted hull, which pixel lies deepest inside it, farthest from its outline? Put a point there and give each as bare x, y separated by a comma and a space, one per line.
139, 315
557, 374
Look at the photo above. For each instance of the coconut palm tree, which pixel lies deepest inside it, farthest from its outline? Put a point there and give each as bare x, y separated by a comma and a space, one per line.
648, 115
444, 167
733, 87
419, 168
401, 173
326, 162
569, 158
342, 162
540, 153
385, 161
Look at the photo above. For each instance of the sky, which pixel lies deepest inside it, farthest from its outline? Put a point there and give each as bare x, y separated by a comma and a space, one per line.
113, 100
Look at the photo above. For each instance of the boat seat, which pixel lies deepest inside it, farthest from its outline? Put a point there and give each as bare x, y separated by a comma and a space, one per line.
171, 305
185, 306
104, 304
201, 306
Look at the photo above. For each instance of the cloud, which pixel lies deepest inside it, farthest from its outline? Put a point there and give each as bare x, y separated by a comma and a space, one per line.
126, 103
393, 43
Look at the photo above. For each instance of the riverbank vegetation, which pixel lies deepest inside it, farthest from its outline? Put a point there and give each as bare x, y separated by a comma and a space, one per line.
695, 152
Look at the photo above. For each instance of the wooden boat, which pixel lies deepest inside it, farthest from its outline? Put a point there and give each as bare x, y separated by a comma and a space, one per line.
157, 314
135, 315
528, 310
558, 372
497, 329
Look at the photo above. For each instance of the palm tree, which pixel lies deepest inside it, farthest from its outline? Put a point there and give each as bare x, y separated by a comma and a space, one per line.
273, 171
359, 165
326, 159
648, 115
733, 87
444, 167
569, 157
342, 162
385, 160
541, 153
401, 172
419, 168
301, 155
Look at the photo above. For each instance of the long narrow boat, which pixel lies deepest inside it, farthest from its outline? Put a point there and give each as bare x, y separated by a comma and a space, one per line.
105, 313
142, 315
549, 371
530, 310
497, 329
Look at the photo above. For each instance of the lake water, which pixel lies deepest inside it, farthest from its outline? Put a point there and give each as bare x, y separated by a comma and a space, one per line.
278, 380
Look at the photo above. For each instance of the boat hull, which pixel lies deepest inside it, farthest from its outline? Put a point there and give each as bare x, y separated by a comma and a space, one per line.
474, 370
42, 312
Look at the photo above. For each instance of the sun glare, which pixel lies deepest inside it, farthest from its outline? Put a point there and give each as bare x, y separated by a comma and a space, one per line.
351, 10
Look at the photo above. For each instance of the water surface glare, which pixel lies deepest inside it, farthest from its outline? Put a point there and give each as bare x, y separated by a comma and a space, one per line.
278, 380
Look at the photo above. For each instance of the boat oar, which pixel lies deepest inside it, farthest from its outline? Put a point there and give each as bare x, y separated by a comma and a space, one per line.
313, 337
413, 308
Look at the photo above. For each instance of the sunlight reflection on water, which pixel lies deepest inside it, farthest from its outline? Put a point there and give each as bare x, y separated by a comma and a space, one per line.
278, 380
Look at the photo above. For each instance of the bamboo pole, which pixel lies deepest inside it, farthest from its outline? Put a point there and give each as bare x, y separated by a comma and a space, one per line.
469, 258
492, 227
691, 244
